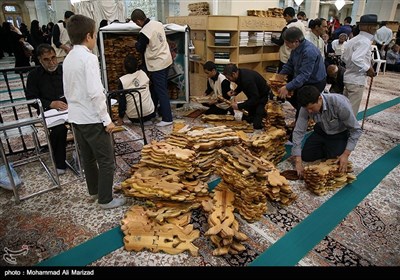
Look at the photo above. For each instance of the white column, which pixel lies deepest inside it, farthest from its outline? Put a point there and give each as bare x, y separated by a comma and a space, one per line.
31, 9
60, 7
289, 3
42, 12
386, 10
358, 10
324, 12
312, 9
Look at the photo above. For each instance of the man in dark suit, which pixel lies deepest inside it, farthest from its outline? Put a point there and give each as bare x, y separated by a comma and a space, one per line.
46, 84
254, 86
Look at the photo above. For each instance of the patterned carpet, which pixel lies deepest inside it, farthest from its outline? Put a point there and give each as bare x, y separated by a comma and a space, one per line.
54, 222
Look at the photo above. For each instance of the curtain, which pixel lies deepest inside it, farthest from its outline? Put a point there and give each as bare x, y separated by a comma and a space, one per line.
101, 9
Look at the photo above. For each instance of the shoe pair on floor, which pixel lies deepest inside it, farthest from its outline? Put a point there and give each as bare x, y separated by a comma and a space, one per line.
116, 202
159, 124
60, 171
163, 123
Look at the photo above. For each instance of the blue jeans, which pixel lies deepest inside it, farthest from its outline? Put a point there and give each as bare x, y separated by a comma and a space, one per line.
160, 93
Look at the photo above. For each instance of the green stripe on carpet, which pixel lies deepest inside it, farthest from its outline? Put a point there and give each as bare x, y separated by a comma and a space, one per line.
296, 243
12, 90
15, 99
213, 184
378, 108
11, 78
89, 251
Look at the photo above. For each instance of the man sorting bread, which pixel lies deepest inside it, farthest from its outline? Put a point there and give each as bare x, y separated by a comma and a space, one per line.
336, 129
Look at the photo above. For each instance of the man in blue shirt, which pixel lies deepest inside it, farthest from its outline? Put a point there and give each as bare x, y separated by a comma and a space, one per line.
305, 64
336, 129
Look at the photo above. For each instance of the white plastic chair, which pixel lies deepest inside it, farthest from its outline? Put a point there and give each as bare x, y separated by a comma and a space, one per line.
376, 59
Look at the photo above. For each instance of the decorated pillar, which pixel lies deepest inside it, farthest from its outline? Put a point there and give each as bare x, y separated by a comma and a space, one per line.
312, 9
324, 11
30, 5
358, 10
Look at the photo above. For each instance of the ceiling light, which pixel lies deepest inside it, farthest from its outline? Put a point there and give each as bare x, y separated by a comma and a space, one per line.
339, 4
298, 2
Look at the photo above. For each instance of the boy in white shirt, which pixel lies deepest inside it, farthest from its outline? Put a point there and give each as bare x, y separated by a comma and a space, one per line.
87, 111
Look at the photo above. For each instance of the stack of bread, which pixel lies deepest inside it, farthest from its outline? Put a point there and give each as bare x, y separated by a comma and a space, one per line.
251, 179
275, 115
172, 236
228, 121
325, 176
204, 142
163, 184
279, 189
276, 82
116, 48
269, 145
223, 226
199, 8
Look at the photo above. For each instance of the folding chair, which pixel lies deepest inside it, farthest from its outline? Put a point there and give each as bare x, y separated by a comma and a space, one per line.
139, 109
19, 126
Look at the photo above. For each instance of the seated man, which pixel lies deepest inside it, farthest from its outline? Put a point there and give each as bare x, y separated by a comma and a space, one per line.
219, 86
135, 79
336, 129
393, 58
46, 84
338, 45
335, 78
256, 90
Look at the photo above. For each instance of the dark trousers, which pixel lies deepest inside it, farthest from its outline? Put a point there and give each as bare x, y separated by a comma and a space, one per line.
97, 153
256, 114
58, 140
144, 119
214, 110
323, 146
160, 94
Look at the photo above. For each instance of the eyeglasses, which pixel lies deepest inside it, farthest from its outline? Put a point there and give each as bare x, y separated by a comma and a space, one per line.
49, 59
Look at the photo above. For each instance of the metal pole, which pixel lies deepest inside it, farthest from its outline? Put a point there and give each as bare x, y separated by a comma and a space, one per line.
366, 104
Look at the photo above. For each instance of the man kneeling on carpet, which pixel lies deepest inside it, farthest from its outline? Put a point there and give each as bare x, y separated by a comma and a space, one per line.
219, 86
336, 129
135, 79
254, 86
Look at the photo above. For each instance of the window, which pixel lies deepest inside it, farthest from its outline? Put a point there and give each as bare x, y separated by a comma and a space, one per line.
10, 9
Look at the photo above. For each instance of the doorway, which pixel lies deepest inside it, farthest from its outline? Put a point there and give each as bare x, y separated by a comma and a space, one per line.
12, 14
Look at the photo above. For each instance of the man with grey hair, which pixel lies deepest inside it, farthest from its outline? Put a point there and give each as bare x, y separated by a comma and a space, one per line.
357, 57
46, 83
305, 64
339, 44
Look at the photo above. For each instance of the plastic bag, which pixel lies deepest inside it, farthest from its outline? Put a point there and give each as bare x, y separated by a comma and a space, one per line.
5, 181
